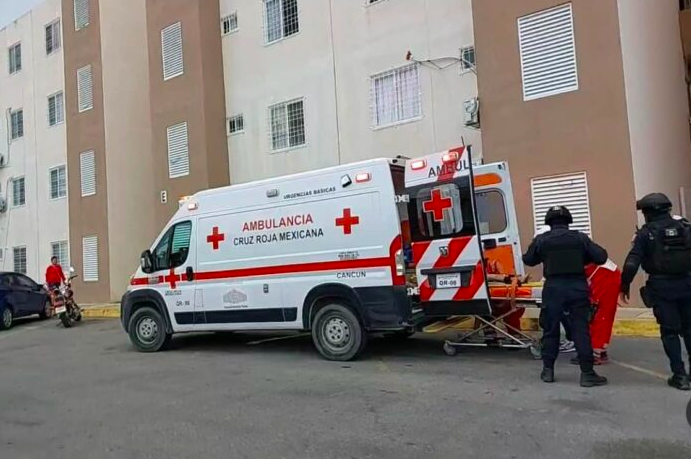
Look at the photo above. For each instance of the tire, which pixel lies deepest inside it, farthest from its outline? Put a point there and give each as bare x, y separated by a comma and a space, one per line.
79, 314
6, 319
147, 330
337, 333
66, 320
47, 311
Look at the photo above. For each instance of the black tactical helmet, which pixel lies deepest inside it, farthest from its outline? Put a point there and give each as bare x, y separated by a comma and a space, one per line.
654, 202
558, 214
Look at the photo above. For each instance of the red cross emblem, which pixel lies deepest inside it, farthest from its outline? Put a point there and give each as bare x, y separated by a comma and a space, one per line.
172, 278
347, 221
437, 205
215, 238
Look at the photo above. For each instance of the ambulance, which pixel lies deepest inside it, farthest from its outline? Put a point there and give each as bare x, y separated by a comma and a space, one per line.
378, 246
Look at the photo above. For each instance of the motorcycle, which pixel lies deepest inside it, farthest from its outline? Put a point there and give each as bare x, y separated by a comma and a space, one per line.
64, 306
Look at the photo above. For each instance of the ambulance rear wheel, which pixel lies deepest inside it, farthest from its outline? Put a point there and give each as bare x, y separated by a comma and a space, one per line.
147, 330
337, 333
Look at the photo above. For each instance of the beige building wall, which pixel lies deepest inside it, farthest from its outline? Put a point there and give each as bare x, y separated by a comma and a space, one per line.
656, 96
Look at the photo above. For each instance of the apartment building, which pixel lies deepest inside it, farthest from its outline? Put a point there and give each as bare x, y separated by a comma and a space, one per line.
33, 172
587, 101
315, 83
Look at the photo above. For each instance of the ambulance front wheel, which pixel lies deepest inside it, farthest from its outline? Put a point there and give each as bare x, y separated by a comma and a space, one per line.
147, 330
337, 333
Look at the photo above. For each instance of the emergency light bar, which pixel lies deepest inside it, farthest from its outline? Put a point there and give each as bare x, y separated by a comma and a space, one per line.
363, 177
419, 164
191, 205
450, 157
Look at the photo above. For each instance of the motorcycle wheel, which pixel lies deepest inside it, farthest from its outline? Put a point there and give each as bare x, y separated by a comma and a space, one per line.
66, 320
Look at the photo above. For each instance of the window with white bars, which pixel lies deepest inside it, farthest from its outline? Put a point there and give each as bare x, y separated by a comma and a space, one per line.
548, 52
229, 23
287, 121
178, 151
19, 258
81, 14
562, 190
171, 46
87, 168
280, 19
236, 124
56, 109
17, 124
90, 258
53, 41
18, 192
85, 88
467, 58
60, 249
58, 182
15, 58
395, 96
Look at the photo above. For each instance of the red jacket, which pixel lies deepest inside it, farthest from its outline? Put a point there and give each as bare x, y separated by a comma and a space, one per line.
54, 275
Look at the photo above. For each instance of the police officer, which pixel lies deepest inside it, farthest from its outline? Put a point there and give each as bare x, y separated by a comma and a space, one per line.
663, 247
564, 254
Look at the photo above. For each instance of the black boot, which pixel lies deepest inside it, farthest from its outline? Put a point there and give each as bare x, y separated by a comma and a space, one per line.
680, 382
547, 375
592, 379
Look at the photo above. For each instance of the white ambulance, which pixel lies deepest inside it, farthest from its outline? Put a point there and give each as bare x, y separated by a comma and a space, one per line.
326, 251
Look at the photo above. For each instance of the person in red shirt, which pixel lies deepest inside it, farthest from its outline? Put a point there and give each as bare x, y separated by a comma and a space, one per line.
54, 274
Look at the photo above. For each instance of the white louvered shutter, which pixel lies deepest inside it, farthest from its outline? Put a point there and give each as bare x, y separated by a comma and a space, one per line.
81, 14
171, 45
85, 88
87, 166
548, 52
178, 151
90, 258
563, 190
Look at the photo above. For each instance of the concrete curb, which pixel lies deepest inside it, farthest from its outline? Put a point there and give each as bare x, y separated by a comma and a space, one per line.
634, 322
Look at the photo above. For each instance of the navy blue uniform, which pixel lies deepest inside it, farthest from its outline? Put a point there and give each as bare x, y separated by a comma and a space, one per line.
668, 293
564, 254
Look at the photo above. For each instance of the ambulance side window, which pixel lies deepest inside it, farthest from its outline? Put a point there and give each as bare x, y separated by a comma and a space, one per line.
439, 211
491, 212
173, 248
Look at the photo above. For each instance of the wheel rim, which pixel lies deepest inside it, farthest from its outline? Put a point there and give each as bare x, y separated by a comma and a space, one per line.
6, 317
337, 333
147, 330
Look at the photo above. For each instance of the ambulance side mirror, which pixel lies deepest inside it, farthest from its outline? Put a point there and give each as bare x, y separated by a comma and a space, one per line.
147, 262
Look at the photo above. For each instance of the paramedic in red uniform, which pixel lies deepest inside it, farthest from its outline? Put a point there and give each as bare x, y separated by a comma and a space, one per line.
54, 274
605, 283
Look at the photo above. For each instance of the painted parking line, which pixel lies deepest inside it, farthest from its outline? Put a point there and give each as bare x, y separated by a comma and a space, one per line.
638, 369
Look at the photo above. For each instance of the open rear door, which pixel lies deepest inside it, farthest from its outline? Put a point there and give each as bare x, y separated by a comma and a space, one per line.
447, 250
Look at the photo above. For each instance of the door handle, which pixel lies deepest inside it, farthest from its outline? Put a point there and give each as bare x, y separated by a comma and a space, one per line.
189, 274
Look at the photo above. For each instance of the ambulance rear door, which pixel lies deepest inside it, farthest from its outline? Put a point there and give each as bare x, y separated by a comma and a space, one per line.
496, 213
445, 232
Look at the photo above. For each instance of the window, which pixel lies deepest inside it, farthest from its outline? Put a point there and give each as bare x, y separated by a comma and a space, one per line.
171, 251
396, 96
229, 23
19, 256
58, 182
24, 281
236, 124
17, 124
60, 249
178, 151
171, 46
90, 258
439, 211
81, 14
548, 53
85, 88
280, 19
87, 168
491, 212
468, 59
53, 37
562, 190
287, 125
56, 109
18, 192
15, 58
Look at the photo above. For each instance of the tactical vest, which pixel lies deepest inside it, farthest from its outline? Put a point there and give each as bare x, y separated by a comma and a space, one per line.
669, 248
565, 259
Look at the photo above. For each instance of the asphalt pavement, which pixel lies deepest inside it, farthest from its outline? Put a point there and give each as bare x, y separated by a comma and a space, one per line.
85, 393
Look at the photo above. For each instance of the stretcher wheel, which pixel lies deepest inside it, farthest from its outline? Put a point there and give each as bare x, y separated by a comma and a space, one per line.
535, 351
450, 350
